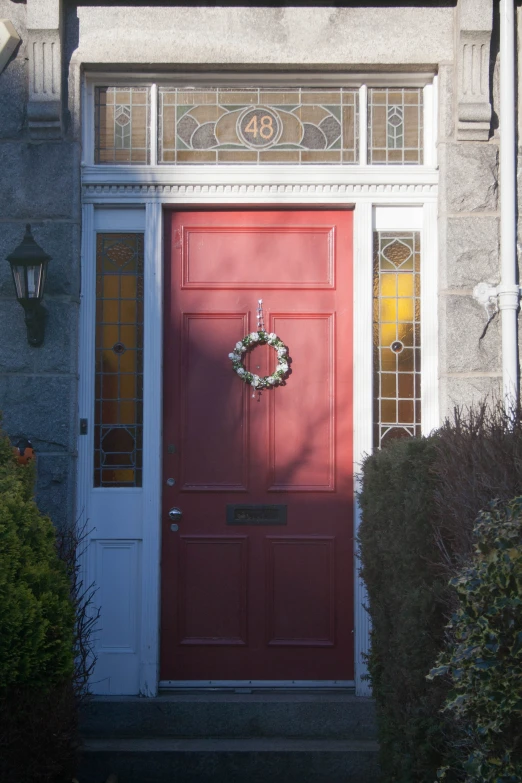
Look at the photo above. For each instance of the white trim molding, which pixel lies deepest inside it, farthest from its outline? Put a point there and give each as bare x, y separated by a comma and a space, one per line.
196, 182
132, 198
152, 448
363, 416
255, 193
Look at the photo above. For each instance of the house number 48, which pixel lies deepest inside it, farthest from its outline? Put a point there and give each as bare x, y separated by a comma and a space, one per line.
265, 126
259, 127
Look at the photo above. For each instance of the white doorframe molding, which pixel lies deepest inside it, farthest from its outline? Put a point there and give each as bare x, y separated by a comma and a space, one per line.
111, 191
362, 400
152, 449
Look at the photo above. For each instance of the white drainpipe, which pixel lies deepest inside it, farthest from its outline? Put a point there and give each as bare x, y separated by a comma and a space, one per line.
508, 290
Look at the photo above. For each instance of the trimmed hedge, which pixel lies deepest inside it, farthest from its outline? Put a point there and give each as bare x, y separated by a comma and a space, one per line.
37, 704
484, 661
420, 500
407, 599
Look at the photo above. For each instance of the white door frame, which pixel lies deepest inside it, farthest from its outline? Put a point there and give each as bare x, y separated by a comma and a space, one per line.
384, 197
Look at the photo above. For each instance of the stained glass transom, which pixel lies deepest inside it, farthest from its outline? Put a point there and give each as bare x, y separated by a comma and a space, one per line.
122, 125
395, 126
118, 416
396, 335
258, 125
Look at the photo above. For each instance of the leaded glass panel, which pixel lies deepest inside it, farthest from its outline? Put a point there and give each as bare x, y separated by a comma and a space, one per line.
258, 125
396, 335
118, 415
122, 122
395, 125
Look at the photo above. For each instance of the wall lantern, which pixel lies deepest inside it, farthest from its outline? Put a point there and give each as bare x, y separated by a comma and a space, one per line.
29, 268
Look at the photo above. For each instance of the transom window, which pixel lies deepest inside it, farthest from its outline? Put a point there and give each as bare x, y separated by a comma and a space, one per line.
257, 125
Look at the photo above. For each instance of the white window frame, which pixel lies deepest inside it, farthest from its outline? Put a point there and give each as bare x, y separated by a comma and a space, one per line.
388, 196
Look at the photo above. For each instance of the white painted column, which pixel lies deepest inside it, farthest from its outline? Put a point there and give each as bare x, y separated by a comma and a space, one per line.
363, 414
429, 319
152, 449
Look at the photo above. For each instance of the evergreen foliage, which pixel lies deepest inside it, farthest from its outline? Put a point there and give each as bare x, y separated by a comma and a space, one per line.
420, 501
484, 661
36, 615
37, 619
407, 599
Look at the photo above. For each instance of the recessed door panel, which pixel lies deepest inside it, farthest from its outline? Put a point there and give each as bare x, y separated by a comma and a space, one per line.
302, 445
214, 423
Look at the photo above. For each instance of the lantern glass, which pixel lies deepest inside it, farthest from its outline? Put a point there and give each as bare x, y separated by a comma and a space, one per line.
35, 281
19, 281
29, 280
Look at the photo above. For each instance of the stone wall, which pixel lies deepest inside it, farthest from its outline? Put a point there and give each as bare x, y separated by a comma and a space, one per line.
40, 178
470, 362
39, 185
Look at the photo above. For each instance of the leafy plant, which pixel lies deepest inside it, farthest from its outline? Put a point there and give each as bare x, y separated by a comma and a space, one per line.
45, 634
484, 660
36, 614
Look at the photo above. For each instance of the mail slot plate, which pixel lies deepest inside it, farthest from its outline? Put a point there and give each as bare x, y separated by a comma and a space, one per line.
256, 514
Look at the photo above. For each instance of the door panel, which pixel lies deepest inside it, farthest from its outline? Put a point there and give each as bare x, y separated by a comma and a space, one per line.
265, 592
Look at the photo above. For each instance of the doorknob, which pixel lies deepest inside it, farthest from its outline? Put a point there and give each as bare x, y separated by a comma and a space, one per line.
175, 514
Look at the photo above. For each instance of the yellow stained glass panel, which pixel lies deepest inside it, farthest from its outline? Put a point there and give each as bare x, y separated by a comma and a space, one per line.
396, 335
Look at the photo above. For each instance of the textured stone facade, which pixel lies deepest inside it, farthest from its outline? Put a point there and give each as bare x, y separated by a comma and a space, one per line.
39, 184
40, 157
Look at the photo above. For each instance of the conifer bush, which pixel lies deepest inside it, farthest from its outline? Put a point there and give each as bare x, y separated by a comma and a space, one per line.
37, 620
407, 599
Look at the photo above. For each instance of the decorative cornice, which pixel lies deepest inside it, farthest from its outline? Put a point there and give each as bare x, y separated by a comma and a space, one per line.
473, 99
253, 191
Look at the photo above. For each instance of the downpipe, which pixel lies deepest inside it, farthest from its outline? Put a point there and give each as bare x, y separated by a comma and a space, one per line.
505, 297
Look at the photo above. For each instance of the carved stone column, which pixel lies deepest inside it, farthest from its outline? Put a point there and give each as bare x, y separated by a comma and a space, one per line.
475, 23
44, 108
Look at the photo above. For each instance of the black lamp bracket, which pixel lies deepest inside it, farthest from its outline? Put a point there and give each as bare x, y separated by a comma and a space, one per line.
35, 318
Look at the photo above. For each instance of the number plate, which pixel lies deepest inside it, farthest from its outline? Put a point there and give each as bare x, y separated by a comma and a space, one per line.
259, 127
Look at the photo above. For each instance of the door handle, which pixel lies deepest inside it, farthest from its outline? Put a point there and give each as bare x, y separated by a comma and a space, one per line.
175, 514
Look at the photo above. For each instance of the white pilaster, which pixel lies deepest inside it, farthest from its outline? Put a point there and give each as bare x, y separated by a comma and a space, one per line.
363, 414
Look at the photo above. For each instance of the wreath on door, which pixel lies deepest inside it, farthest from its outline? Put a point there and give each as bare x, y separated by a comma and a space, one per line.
250, 341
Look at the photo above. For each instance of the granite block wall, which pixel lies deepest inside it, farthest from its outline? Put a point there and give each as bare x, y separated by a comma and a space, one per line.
470, 361
39, 184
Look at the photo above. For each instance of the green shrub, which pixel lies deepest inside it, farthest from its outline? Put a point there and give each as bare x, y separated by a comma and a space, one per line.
407, 598
37, 714
420, 500
478, 459
36, 617
484, 662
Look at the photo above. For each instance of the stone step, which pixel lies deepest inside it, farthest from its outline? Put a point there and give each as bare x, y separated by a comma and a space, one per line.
221, 715
164, 760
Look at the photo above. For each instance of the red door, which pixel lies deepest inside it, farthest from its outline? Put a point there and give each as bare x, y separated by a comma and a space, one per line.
257, 580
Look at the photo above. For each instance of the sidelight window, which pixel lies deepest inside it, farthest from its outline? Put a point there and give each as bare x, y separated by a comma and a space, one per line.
396, 335
118, 411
